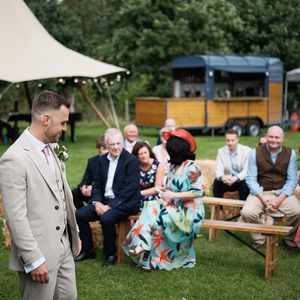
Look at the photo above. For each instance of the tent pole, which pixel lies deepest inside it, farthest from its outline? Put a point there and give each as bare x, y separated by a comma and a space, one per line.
100, 90
27, 93
94, 107
115, 117
5, 90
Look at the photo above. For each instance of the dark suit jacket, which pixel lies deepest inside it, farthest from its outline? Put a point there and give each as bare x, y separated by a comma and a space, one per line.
125, 184
90, 173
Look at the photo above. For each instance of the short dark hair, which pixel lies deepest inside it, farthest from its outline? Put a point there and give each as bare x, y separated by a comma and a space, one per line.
179, 150
231, 131
139, 145
48, 100
100, 143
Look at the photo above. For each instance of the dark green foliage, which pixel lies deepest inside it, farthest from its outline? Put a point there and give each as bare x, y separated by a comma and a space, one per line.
145, 35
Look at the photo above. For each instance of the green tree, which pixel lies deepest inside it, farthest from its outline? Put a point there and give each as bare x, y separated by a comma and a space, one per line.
148, 34
269, 28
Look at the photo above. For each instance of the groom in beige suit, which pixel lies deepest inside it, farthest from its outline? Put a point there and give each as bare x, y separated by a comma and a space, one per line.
38, 205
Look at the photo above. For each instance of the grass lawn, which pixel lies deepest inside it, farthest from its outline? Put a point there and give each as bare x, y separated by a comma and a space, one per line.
225, 269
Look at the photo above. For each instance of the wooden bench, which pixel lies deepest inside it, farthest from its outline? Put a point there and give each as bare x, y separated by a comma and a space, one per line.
271, 232
216, 223
216, 205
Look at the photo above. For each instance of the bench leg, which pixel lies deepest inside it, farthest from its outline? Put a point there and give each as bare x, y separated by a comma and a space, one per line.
214, 215
271, 257
123, 228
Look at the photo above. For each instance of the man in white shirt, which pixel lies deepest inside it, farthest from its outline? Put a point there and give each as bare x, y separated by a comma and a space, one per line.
116, 195
232, 164
131, 136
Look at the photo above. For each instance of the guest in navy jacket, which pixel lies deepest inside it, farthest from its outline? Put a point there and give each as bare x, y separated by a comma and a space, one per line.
83, 192
115, 196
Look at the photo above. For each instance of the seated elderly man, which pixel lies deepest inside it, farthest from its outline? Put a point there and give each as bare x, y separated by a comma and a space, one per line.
272, 178
131, 136
116, 195
232, 164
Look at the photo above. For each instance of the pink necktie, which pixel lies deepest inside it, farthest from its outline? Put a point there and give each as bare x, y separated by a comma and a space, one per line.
47, 153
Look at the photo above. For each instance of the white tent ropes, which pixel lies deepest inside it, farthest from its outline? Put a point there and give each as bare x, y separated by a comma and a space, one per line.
28, 52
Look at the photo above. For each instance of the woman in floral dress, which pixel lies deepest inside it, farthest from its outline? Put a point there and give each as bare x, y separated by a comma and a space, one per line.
163, 236
151, 172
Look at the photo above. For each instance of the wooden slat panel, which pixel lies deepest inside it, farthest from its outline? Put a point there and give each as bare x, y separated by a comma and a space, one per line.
259, 109
187, 113
238, 108
150, 112
275, 99
217, 113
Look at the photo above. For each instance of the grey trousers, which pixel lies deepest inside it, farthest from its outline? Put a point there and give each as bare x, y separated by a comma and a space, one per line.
253, 212
62, 281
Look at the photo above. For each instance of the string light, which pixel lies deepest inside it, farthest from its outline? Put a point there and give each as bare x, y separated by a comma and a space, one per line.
95, 80
76, 80
40, 85
128, 72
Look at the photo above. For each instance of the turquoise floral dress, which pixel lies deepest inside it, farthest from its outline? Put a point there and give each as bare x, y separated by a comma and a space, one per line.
167, 231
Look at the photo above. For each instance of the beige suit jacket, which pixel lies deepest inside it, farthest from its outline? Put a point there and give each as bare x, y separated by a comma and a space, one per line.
31, 204
224, 163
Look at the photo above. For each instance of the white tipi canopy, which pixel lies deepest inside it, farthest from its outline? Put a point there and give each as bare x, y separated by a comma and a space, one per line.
293, 75
28, 52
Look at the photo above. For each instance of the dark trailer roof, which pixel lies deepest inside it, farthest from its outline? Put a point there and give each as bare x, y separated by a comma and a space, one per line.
271, 66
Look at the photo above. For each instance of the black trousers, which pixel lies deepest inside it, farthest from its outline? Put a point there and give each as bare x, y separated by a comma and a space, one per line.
220, 188
108, 222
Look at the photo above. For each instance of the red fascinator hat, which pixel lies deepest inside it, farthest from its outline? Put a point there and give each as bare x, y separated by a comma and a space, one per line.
183, 134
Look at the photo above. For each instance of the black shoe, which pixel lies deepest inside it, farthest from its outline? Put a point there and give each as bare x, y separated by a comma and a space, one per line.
85, 255
110, 260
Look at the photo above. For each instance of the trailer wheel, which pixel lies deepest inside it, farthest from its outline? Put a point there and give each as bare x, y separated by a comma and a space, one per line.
253, 128
237, 126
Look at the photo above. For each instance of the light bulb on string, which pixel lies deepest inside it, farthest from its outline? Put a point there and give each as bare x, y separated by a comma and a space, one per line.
61, 81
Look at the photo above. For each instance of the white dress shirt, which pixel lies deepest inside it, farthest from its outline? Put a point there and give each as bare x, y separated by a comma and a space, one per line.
113, 162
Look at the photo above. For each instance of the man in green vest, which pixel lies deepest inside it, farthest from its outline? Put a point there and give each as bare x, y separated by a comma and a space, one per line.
272, 179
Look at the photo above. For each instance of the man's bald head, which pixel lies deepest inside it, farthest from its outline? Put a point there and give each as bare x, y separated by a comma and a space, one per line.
275, 136
275, 129
131, 132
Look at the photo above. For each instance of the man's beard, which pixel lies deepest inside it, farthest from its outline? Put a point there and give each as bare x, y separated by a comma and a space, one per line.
52, 138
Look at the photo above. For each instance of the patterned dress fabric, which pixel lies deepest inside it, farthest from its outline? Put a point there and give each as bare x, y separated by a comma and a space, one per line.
147, 180
167, 231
